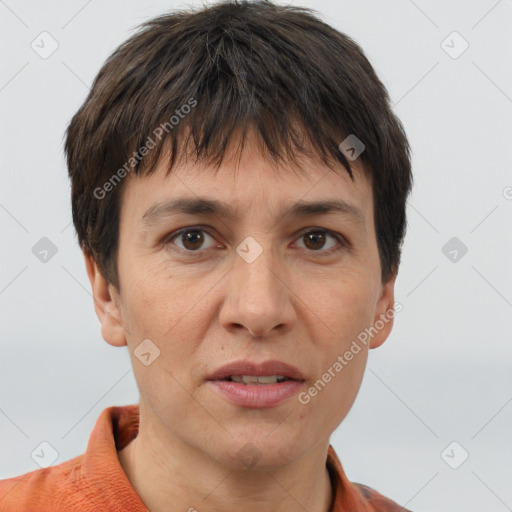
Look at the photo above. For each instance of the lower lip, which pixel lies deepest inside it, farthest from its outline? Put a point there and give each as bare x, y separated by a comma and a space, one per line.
257, 396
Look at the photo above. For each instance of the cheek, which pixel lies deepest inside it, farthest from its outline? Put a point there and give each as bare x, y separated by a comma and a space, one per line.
345, 307
347, 312
169, 311
164, 315
343, 389
154, 300
339, 317
353, 314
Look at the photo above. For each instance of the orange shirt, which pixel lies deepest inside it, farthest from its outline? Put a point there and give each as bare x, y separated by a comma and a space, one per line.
95, 481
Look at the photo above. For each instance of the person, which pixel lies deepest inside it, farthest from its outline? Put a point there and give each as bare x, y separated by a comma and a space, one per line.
239, 186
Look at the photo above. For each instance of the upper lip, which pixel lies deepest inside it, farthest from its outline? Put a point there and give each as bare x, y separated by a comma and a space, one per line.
265, 368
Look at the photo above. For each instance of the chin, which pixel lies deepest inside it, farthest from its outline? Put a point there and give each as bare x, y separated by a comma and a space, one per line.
260, 452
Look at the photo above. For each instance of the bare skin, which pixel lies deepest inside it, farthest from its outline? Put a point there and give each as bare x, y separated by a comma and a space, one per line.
203, 307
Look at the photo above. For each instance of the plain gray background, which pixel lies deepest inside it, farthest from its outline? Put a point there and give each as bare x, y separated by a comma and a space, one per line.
443, 375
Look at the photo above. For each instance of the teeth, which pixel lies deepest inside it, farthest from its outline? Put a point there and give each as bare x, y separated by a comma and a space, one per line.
250, 379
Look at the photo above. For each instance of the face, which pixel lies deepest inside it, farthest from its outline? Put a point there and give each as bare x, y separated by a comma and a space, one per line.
301, 290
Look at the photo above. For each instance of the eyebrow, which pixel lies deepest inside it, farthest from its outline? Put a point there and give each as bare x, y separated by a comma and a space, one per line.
204, 206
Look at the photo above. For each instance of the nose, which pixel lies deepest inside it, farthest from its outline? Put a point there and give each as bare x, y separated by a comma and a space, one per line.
258, 299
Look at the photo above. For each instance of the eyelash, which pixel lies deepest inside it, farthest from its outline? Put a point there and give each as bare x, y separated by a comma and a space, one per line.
343, 243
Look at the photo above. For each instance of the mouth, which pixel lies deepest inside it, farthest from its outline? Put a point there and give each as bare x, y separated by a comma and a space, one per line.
253, 373
256, 379
256, 386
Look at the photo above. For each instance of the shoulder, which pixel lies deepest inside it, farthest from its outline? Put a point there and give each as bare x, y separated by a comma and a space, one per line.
47, 489
377, 501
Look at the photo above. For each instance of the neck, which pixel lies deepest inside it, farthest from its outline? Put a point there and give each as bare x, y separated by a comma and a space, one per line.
174, 476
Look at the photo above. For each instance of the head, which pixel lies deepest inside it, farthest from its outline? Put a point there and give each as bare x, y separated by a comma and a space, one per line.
247, 104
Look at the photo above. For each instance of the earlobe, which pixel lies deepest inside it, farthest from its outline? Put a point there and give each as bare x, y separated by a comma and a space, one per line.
106, 304
384, 314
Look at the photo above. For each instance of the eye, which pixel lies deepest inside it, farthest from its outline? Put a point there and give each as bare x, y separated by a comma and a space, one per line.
193, 238
314, 240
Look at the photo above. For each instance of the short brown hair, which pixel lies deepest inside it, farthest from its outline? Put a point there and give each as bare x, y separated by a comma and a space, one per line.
279, 69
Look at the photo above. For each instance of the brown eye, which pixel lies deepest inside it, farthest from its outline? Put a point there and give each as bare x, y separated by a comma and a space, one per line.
190, 239
314, 240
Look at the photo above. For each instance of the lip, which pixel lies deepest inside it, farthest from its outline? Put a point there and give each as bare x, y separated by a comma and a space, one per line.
265, 368
257, 396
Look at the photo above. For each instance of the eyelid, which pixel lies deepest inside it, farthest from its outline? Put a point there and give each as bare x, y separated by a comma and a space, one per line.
342, 240
343, 243
171, 236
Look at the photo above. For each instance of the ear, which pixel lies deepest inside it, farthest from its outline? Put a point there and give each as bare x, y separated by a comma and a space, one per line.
384, 313
106, 304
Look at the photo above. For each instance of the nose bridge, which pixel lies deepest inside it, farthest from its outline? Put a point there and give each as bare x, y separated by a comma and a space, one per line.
256, 268
257, 298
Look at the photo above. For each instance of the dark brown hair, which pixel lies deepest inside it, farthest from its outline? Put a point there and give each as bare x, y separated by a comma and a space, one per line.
278, 69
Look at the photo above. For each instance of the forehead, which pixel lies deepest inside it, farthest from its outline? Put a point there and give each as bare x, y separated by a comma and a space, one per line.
301, 187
